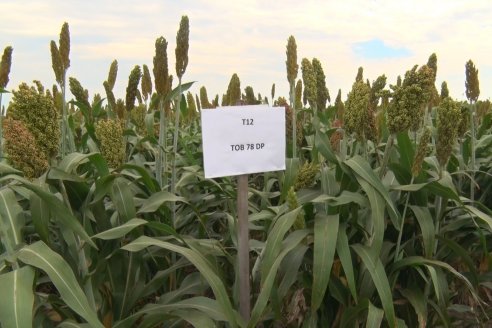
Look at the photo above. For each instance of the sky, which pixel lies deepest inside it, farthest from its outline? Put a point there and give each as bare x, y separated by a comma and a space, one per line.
250, 37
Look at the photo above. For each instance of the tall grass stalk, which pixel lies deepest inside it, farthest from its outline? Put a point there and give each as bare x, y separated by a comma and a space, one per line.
294, 120
175, 147
1, 127
161, 161
387, 150
472, 145
400, 233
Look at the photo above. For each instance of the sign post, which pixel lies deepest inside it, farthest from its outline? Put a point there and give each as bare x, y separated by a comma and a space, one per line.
243, 246
239, 140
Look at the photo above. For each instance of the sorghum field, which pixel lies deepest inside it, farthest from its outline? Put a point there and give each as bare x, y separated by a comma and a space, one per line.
382, 218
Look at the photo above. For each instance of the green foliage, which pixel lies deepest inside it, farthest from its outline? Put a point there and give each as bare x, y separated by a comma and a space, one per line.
182, 45
80, 94
449, 113
5, 65
204, 98
310, 82
112, 74
233, 94
291, 62
146, 83
322, 93
471, 83
249, 96
444, 90
132, 88
339, 106
161, 71
298, 103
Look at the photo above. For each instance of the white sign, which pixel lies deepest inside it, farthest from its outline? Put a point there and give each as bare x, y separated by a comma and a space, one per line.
243, 139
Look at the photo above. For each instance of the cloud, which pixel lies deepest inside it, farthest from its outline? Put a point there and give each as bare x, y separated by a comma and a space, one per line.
249, 37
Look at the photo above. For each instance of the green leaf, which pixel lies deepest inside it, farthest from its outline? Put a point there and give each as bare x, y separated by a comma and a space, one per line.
7, 169
58, 209
343, 251
147, 179
155, 201
439, 188
374, 316
201, 263
71, 161
57, 174
16, 306
274, 240
291, 169
322, 143
121, 230
419, 304
72, 324
325, 240
11, 221
426, 224
362, 170
481, 215
352, 313
377, 217
123, 199
200, 304
176, 92
289, 244
40, 214
41, 256
378, 275
406, 150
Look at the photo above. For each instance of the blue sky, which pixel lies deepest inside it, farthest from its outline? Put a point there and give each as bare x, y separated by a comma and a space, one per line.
377, 49
249, 38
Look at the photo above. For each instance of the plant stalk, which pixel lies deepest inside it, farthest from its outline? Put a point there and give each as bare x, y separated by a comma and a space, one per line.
387, 149
400, 233
472, 145
161, 154
1, 128
294, 119
175, 148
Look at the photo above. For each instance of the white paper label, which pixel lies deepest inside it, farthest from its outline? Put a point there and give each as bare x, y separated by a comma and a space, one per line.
243, 139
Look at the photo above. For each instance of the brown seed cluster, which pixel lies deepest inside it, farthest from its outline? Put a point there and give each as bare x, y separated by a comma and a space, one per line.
22, 151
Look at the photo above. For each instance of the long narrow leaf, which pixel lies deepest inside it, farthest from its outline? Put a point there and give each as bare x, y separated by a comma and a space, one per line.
16, 306
155, 201
58, 209
200, 263
362, 169
11, 221
343, 251
267, 282
378, 275
123, 199
426, 224
374, 316
274, 241
41, 256
121, 230
325, 241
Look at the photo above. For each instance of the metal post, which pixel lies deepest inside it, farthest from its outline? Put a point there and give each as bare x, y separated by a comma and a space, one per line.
243, 246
